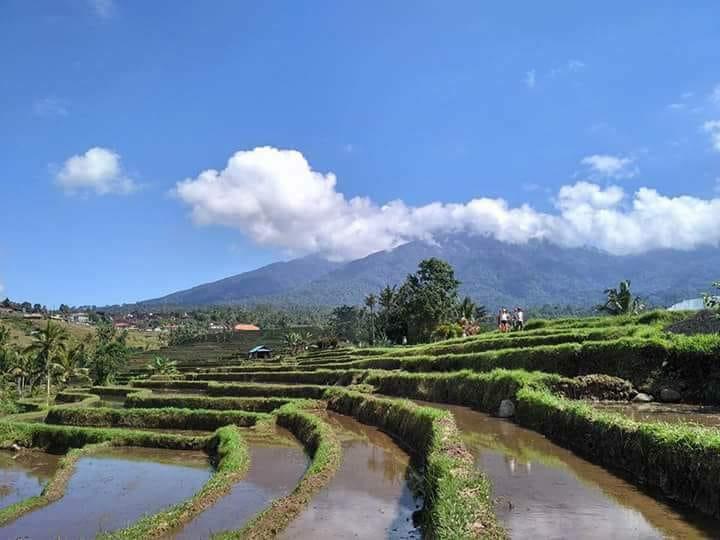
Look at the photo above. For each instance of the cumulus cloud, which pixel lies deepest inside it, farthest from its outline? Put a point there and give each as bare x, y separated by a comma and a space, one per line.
713, 128
98, 170
610, 166
274, 197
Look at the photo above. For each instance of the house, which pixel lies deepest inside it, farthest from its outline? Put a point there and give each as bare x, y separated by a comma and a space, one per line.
246, 328
79, 318
261, 352
693, 304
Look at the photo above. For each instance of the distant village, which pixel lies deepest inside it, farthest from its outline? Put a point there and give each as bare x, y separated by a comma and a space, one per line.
132, 320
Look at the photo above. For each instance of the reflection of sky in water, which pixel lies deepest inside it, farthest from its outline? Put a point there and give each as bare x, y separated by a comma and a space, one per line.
367, 498
545, 491
24, 475
274, 472
551, 503
106, 493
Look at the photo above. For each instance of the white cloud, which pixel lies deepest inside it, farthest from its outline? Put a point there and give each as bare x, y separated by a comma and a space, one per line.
50, 106
530, 79
713, 128
274, 197
97, 170
610, 166
103, 8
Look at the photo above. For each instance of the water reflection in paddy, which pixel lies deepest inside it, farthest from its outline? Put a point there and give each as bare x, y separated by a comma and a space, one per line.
368, 497
24, 474
277, 465
545, 491
113, 489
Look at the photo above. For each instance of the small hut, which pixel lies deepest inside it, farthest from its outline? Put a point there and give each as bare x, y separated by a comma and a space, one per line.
261, 352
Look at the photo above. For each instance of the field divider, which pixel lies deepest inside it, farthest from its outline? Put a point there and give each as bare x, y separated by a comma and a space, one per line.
162, 418
323, 446
457, 497
233, 461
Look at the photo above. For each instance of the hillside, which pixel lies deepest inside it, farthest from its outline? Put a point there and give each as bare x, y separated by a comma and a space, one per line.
492, 272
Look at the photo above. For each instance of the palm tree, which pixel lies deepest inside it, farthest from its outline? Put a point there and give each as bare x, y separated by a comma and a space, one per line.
466, 309
69, 364
49, 343
370, 302
480, 313
620, 301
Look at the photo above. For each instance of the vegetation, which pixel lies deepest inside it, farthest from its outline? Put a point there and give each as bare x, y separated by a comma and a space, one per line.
621, 301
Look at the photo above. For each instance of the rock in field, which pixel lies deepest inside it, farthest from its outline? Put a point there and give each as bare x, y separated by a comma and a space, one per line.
643, 398
507, 409
668, 395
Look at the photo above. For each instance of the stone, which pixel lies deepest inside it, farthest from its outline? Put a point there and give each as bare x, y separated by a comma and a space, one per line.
507, 409
643, 398
668, 395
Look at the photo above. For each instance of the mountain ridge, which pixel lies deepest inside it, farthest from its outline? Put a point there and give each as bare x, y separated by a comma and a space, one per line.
492, 272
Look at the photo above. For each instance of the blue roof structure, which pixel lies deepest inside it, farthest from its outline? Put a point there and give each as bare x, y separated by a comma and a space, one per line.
259, 348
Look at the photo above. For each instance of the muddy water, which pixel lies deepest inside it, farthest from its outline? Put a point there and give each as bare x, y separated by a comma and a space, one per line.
676, 413
111, 490
24, 474
274, 472
368, 497
545, 491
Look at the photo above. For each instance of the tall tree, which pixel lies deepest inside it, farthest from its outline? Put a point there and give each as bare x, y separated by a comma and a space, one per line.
49, 343
428, 298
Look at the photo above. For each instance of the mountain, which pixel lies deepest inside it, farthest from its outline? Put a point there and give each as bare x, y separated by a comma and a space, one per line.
493, 273
273, 279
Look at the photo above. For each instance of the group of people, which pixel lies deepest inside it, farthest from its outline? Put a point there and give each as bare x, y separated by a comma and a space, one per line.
511, 320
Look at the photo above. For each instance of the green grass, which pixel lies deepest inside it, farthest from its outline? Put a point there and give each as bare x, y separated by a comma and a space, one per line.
163, 418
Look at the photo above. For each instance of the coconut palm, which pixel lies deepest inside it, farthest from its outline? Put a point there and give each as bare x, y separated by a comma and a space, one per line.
621, 301
49, 343
466, 309
69, 364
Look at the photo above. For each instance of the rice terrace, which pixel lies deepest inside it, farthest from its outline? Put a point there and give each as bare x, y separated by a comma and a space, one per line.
408, 270
541, 432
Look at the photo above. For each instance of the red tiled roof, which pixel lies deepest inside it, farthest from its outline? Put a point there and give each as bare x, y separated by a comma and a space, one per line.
246, 328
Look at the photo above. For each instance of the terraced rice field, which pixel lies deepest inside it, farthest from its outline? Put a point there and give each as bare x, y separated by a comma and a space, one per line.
400, 442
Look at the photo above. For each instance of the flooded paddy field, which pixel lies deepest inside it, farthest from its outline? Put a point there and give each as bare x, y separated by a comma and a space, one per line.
24, 474
673, 413
545, 491
276, 466
369, 496
113, 488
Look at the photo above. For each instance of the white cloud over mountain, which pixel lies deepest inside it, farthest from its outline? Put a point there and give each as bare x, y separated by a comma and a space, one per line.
98, 170
275, 197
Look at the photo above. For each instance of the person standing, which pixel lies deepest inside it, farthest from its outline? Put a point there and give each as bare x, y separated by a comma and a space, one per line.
519, 319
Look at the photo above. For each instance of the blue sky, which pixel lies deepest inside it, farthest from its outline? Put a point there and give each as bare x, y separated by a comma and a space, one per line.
568, 108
